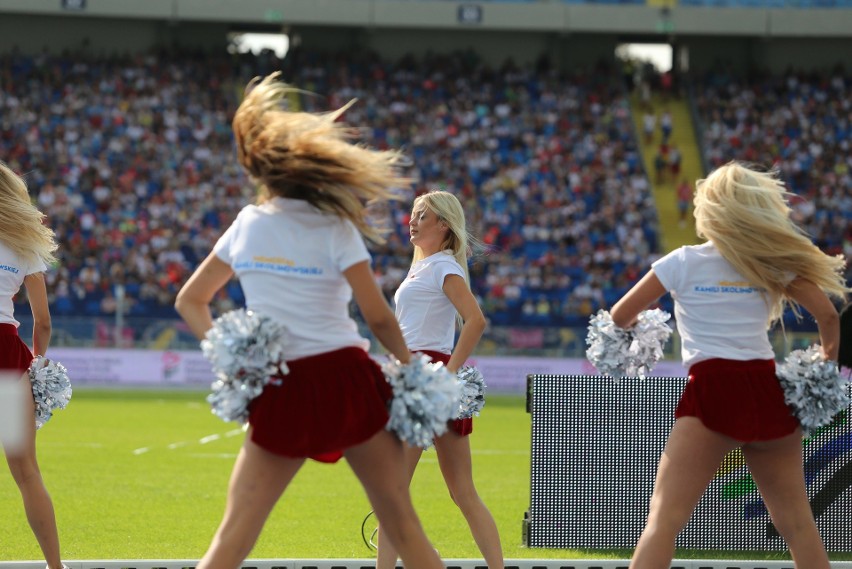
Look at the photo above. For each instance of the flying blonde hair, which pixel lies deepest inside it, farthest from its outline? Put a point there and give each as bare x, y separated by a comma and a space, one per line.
449, 210
308, 156
746, 215
22, 227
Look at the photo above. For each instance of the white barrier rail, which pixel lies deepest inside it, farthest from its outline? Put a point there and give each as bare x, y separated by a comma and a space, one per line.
449, 563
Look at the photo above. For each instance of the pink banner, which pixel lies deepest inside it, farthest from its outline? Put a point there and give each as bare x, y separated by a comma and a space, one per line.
102, 366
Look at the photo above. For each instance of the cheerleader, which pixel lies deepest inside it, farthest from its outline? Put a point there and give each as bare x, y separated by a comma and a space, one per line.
429, 301
299, 256
26, 249
727, 292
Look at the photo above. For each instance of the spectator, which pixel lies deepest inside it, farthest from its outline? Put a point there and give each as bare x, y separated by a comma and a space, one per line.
660, 166
675, 159
666, 125
684, 200
649, 125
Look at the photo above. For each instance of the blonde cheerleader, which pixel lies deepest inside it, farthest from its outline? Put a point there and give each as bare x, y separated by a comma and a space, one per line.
300, 258
727, 292
26, 249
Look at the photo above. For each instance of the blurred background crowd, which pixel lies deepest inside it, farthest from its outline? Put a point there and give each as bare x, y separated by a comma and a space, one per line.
132, 160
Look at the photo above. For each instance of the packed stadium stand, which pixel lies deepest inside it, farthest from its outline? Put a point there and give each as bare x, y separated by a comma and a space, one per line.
130, 155
132, 161
800, 124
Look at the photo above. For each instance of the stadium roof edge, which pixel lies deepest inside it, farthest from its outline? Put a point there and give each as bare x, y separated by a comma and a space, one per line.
555, 16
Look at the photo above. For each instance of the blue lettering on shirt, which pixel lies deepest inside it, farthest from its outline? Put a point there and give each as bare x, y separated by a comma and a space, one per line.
726, 289
277, 268
13, 270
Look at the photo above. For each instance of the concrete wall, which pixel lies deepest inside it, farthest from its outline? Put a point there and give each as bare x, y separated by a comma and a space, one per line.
569, 34
102, 36
544, 16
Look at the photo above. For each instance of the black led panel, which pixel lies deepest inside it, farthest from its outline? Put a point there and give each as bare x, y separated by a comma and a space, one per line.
595, 448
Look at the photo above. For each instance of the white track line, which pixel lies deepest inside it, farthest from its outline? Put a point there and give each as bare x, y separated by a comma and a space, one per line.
228, 455
202, 440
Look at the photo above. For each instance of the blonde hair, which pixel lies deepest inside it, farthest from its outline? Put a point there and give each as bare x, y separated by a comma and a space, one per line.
449, 210
746, 215
308, 156
22, 227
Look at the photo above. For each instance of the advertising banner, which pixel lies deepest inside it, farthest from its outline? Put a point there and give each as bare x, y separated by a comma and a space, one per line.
106, 366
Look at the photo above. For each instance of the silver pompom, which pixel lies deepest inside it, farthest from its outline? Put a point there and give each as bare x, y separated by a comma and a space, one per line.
650, 334
425, 397
245, 349
813, 387
473, 392
231, 397
608, 345
51, 388
619, 352
243, 342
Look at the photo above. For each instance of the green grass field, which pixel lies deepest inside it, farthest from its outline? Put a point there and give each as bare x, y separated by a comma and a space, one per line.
143, 474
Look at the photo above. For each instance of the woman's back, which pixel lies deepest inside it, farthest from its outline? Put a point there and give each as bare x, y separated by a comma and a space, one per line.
718, 312
290, 260
13, 269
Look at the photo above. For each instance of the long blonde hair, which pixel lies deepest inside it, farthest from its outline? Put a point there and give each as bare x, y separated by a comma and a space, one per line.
449, 210
746, 215
22, 227
308, 156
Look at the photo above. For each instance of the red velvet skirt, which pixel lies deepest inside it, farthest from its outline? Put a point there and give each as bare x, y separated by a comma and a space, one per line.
14, 353
462, 427
740, 399
324, 405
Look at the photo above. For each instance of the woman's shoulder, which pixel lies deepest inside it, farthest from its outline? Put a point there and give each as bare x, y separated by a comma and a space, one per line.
686, 254
21, 264
248, 211
703, 250
8, 255
443, 260
268, 209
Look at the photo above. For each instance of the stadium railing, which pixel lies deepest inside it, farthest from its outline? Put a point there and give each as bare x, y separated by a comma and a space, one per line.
450, 563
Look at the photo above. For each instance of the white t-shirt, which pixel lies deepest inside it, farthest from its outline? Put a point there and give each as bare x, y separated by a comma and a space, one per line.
426, 316
719, 314
13, 269
290, 259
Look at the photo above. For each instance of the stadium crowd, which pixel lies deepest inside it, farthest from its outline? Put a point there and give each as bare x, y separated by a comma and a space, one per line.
547, 166
800, 124
132, 160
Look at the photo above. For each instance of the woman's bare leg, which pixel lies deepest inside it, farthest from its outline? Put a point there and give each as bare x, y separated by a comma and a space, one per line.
777, 468
692, 455
386, 554
456, 466
37, 503
378, 464
257, 481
